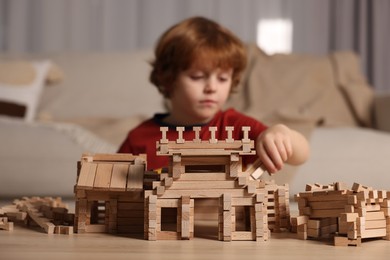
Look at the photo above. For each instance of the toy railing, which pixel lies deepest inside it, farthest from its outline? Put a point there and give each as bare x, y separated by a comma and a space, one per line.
199, 147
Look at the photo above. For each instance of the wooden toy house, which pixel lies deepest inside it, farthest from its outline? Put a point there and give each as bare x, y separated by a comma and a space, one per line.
109, 193
115, 193
212, 169
348, 215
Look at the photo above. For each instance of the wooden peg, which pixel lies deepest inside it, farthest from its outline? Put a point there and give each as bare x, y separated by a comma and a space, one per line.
197, 134
180, 131
164, 131
245, 130
212, 130
229, 130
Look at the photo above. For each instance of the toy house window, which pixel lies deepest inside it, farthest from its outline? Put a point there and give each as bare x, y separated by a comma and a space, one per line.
204, 168
169, 219
243, 218
98, 212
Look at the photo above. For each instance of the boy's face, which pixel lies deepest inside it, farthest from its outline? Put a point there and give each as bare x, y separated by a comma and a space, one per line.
197, 95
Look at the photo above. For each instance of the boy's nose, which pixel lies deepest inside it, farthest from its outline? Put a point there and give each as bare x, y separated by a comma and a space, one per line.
211, 86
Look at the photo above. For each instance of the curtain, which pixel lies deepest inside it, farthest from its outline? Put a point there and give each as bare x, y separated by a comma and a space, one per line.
319, 26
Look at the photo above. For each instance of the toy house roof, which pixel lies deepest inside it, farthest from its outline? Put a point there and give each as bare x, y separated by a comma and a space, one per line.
113, 172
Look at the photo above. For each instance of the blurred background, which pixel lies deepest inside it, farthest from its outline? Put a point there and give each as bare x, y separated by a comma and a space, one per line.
277, 26
82, 82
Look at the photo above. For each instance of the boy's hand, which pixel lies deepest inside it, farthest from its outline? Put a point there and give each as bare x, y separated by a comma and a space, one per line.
275, 147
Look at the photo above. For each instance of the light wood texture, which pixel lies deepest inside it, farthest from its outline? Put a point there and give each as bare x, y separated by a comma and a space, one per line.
23, 243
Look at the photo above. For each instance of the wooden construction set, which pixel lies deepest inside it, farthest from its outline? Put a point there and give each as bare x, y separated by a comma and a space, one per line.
50, 214
348, 215
115, 193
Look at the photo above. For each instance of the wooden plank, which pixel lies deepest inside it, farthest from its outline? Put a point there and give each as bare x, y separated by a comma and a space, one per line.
372, 224
135, 179
201, 185
119, 157
119, 177
325, 213
243, 201
373, 233
87, 175
242, 236
327, 198
96, 228
337, 204
205, 160
130, 205
221, 144
375, 215
175, 194
206, 151
103, 176
209, 176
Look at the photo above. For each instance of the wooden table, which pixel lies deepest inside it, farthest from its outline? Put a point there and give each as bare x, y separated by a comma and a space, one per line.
27, 243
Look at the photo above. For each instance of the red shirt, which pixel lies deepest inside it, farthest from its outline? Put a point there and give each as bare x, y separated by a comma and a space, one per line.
143, 138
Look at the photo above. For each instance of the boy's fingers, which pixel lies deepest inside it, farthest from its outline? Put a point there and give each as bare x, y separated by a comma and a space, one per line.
271, 157
282, 151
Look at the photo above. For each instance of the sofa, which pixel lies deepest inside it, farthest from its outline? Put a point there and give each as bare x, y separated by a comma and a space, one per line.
87, 102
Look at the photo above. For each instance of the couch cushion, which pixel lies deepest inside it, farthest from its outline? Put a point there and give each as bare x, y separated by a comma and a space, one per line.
301, 86
102, 85
21, 85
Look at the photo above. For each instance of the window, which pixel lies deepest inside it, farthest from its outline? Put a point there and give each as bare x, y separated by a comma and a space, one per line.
275, 35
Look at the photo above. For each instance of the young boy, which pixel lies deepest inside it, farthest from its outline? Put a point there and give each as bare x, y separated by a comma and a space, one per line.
198, 63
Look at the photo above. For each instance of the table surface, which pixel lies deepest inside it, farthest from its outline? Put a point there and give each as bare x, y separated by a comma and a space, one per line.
32, 243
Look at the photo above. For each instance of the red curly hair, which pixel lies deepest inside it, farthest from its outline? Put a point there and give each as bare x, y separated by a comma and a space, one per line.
196, 42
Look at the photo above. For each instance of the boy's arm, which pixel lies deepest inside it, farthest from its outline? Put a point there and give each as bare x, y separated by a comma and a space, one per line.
280, 144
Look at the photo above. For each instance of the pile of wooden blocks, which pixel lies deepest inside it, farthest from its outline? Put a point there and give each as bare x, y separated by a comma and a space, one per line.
51, 214
348, 215
5, 224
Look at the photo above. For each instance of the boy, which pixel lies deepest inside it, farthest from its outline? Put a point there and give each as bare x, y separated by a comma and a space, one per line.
198, 63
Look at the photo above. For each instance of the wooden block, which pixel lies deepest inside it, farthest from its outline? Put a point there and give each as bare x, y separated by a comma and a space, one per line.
302, 228
344, 241
196, 130
180, 131
229, 130
370, 233
227, 201
245, 130
314, 224
356, 187
302, 235
375, 215
119, 177
374, 224
296, 221
312, 232
386, 211
336, 204
242, 236
135, 178
212, 130
234, 167
87, 175
103, 176
385, 203
164, 131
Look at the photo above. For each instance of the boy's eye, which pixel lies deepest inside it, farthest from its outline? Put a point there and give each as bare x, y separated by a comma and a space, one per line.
197, 77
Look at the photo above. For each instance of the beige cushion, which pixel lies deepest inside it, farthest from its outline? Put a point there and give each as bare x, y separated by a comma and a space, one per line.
24, 90
108, 85
305, 88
